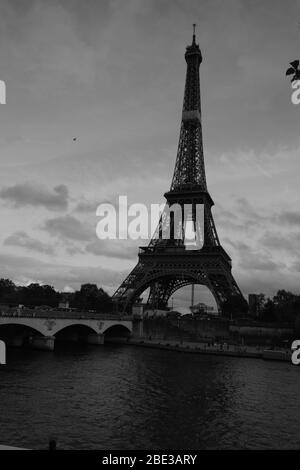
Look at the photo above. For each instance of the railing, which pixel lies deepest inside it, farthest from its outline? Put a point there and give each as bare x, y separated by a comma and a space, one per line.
27, 313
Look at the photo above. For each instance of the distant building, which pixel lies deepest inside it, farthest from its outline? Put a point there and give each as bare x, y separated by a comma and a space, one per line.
43, 307
137, 310
202, 309
155, 313
142, 310
253, 301
65, 305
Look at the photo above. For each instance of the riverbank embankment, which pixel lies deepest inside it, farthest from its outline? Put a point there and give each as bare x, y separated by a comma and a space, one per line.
216, 349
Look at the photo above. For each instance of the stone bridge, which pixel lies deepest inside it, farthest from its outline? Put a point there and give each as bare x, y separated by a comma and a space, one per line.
42, 328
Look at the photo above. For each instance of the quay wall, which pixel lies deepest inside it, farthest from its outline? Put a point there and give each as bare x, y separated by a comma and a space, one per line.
201, 330
180, 329
261, 333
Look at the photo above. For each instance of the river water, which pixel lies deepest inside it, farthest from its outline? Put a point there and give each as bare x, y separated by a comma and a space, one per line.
125, 397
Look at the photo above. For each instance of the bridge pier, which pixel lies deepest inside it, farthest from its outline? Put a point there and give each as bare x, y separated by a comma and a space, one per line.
44, 343
95, 338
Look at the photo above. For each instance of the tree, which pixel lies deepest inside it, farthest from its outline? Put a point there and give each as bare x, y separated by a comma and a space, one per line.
287, 305
36, 295
234, 307
284, 307
261, 300
268, 313
7, 291
6, 286
89, 297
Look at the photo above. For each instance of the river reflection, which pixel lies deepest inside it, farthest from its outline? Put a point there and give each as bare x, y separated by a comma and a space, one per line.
120, 397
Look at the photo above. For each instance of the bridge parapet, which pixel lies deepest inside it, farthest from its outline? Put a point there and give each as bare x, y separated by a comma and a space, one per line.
32, 313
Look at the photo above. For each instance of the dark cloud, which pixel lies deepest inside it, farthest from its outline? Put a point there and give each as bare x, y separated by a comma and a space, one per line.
268, 282
289, 218
23, 270
295, 266
87, 206
69, 228
27, 194
277, 242
242, 221
22, 239
258, 262
281, 241
122, 249
250, 216
254, 259
75, 249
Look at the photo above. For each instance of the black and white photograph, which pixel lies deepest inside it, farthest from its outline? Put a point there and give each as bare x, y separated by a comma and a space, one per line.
150, 229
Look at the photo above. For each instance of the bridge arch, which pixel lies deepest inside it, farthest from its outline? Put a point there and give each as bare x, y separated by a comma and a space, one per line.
90, 328
117, 330
19, 323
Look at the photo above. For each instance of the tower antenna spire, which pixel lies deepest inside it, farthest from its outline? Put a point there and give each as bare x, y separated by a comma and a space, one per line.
194, 33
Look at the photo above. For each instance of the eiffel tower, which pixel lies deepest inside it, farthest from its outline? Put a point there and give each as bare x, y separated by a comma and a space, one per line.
166, 265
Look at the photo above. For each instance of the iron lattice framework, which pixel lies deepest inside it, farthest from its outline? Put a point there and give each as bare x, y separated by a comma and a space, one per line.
169, 263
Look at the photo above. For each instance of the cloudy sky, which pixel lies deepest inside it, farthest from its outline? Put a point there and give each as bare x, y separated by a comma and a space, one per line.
111, 73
